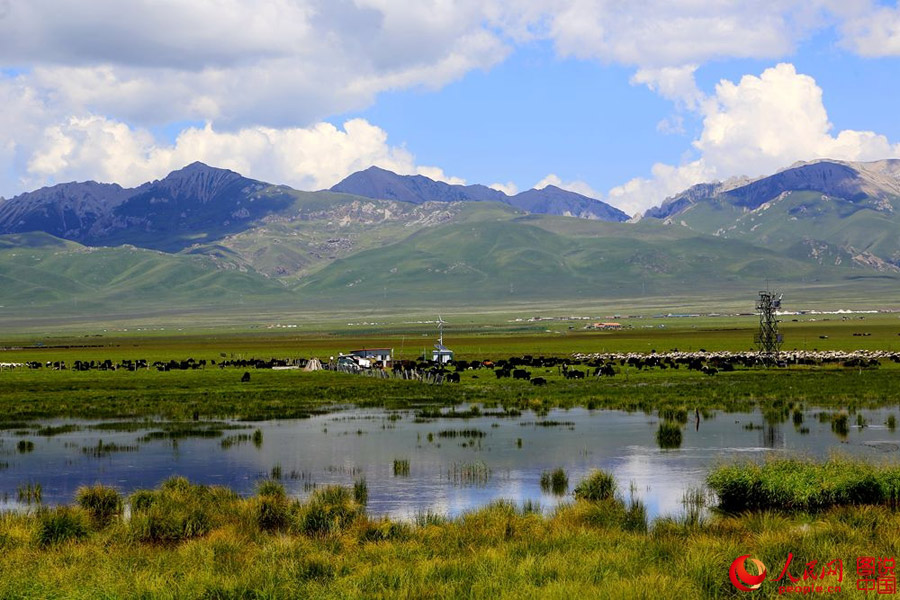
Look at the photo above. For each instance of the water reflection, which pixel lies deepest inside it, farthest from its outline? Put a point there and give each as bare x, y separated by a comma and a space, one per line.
440, 465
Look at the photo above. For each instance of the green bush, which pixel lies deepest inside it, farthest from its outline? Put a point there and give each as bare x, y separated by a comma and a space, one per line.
599, 485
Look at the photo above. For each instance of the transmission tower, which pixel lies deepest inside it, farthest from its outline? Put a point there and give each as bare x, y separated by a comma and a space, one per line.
767, 339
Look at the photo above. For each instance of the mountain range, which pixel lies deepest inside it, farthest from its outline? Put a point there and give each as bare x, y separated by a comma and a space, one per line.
204, 236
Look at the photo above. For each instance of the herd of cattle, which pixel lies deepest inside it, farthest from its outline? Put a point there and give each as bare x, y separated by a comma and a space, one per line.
170, 365
577, 366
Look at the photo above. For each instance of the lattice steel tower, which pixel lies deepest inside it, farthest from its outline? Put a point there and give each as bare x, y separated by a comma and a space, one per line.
767, 339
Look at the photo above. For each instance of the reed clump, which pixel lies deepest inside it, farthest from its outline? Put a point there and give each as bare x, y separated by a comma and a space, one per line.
668, 435
101, 502
60, 524
555, 481
597, 486
329, 510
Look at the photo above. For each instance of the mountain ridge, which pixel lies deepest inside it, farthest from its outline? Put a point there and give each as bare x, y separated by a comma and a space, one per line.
378, 183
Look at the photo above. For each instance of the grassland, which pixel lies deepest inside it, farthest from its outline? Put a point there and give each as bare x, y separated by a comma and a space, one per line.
189, 541
219, 393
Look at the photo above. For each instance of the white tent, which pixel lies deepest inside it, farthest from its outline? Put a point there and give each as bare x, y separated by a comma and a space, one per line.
313, 365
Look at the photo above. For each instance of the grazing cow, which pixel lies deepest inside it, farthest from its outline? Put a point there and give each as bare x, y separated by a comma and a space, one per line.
501, 373
452, 378
709, 370
521, 374
245, 377
608, 370
538, 381
575, 374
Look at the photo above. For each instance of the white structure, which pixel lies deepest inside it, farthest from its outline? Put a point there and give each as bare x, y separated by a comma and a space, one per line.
441, 353
375, 355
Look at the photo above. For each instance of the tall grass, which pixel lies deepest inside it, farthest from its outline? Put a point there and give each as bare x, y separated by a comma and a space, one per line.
401, 467
60, 524
555, 481
597, 486
798, 484
668, 435
101, 502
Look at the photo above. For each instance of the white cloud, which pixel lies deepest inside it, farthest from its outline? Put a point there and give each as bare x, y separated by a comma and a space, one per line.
755, 127
577, 186
315, 157
673, 83
509, 188
664, 33
874, 33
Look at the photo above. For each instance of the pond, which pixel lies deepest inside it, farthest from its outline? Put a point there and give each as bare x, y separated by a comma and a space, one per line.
412, 466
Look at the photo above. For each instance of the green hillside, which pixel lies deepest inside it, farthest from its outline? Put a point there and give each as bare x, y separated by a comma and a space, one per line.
38, 270
808, 225
537, 258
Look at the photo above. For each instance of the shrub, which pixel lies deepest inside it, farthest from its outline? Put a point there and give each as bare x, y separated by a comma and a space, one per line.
101, 502
599, 485
60, 524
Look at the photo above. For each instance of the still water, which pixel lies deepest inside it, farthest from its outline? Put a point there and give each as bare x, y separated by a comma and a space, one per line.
508, 459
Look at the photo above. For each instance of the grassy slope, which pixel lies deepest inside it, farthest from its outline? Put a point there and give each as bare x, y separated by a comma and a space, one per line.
530, 258
39, 270
784, 222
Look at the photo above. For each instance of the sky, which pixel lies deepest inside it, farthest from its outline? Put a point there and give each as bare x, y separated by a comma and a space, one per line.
627, 102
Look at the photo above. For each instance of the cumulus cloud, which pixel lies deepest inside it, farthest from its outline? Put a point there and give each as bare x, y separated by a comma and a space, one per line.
577, 186
262, 72
755, 127
509, 188
314, 157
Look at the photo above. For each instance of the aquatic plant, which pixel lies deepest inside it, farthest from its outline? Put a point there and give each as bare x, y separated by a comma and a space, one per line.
668, 435
598, 485
555, 481
401, 467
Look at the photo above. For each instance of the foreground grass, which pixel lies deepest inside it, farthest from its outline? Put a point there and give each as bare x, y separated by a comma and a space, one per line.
189, 541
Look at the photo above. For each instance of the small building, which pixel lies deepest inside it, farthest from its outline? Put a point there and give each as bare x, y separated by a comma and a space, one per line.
375, 355
441, 354
607, 326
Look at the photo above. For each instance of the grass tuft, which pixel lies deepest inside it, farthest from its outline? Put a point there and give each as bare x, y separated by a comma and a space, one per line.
597, 486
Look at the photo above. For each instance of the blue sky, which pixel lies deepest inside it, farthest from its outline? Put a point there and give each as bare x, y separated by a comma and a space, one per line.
628, 103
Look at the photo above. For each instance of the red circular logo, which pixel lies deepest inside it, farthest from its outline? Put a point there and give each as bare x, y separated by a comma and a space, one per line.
742, 579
